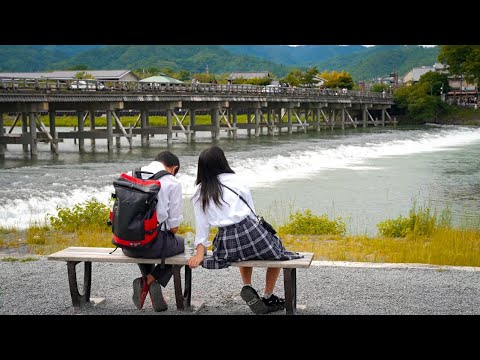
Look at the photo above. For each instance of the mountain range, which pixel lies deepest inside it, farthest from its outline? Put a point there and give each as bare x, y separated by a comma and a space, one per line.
360, 61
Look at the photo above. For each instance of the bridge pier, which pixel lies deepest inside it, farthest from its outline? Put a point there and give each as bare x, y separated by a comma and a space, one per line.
169, 127
92, 125
270, 122
257, 121
364, 116
193, 122
81, 139
117, 129
24, 130
216, 124
234, 122
249, 133
53, 132
289, 120
109, 130
33, 134
144, 138
2, 133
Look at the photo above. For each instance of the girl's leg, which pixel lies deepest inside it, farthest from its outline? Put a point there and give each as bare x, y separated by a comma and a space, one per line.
270, 279
246, 274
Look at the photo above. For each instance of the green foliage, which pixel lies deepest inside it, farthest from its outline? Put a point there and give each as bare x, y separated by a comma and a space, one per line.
90, 213
345, 81
309, 224
83, 75
254, 81
462, 60
204, 78
379, 88
433, 83
308, 77
294, 78
421, 101
420, 222
13, 259
394, 227
185, 227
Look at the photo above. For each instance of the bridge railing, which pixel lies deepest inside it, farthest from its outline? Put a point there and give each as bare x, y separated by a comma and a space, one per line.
83, 85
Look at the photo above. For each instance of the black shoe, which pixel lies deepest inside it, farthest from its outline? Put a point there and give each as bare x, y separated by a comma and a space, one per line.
250, 296
274, 303
158, 301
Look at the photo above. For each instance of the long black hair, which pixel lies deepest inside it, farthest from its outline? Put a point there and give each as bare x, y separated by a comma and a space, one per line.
211, 163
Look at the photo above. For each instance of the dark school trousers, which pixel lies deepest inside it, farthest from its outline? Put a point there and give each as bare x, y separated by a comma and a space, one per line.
175, 245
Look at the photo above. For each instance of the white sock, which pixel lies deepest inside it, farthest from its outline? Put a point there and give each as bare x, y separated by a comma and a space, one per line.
247, 285
266, 296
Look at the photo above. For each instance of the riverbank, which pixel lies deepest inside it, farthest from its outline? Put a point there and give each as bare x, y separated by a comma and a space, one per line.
443, 246
460, 116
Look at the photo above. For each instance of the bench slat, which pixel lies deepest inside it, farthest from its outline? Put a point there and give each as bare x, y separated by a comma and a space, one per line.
94, 254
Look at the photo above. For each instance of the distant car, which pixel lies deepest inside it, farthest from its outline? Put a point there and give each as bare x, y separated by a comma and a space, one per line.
272, 89
86, 85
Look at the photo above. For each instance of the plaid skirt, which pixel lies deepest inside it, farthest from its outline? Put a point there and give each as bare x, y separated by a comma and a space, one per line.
246, 240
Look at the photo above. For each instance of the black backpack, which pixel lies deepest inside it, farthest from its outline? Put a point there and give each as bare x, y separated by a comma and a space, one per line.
134, 216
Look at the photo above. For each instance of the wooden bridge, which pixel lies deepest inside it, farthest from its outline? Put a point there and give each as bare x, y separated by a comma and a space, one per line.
271, 108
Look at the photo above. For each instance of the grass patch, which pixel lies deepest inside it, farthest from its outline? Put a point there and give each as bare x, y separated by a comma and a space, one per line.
444, 246
309, 224
23, 259
71, 121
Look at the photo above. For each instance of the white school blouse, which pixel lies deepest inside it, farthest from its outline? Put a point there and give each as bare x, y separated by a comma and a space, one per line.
232, 211
170, 203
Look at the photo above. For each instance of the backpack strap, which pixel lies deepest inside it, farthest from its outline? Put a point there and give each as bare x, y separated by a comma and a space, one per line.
137, 173
159, 175
163, 225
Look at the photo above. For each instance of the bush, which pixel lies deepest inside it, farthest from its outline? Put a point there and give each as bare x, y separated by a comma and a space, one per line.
394, 227
91, 213
420, 222
309, 224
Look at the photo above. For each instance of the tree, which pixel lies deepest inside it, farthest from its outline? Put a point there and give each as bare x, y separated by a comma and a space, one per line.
462, 60
308, 77
379, 87
184, 75
345, 81
435, 83
294, 78
83, 75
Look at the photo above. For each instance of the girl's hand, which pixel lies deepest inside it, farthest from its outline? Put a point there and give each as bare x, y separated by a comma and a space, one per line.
196, 260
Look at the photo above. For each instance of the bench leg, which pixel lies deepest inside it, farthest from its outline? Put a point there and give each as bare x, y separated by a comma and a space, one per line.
183, 300
77, 298
290, 286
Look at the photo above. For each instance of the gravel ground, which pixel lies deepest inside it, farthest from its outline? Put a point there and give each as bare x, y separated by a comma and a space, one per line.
41, 287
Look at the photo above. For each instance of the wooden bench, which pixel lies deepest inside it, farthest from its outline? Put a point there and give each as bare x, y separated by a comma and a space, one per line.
75, 255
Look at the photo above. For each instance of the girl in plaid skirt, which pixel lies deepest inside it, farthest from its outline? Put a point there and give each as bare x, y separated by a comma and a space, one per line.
220, 200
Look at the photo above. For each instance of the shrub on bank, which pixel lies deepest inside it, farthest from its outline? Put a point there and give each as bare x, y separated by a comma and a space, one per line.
90, 213
307, 223
420, 222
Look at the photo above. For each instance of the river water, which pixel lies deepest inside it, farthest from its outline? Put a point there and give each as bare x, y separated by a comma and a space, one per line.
363, 175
